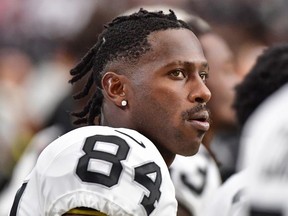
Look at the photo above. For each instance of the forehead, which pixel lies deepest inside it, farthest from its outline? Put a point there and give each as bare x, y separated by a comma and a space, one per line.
174, 45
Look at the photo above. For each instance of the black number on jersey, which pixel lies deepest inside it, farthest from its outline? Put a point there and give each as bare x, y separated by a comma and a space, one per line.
198, 189
141, 172
141, 176
116, 169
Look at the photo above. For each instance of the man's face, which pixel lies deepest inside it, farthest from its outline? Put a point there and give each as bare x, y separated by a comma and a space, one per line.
222, 80
169, 92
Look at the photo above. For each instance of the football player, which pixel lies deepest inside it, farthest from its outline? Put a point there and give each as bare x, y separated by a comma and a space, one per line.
149, 100
269, 74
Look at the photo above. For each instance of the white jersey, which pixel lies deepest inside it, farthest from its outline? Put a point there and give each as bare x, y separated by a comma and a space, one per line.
113, 170
228, 198
261, 186
195, 179
267, 189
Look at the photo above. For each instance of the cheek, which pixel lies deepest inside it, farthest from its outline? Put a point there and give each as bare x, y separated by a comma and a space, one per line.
153, 117
169, 99
160, 103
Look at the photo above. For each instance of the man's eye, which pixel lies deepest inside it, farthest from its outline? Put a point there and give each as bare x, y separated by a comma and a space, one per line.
178, 74
204, 76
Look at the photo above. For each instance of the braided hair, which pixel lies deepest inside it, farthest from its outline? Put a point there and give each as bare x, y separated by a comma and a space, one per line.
124, 39
268, 74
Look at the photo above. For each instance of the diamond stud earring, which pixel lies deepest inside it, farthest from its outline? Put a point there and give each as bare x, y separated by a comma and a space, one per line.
123, 103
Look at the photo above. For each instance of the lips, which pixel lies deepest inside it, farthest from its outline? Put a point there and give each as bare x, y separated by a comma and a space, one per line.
200, 120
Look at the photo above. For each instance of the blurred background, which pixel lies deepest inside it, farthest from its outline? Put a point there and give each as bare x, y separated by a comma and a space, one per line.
40, 41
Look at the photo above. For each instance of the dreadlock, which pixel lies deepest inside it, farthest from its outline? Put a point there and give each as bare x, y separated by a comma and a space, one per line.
268, 74
125, 39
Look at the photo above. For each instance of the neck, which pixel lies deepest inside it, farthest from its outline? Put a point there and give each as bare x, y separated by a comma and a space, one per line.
169, 160
112, 117
166, 155
122, 122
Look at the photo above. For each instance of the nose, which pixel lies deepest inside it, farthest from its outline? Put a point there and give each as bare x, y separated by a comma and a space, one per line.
199, 93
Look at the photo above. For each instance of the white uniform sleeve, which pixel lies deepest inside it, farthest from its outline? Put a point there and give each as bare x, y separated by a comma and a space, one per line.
261, 187
268, 186
228, 197
116, 171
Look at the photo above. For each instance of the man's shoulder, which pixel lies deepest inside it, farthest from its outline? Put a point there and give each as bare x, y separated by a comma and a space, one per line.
99, 139
103, 164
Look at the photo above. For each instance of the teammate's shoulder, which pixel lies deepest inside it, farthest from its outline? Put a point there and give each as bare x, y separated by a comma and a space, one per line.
235, 183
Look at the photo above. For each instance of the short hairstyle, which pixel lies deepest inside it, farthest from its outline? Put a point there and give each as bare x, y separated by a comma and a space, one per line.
125, 40
198, 25
269, 73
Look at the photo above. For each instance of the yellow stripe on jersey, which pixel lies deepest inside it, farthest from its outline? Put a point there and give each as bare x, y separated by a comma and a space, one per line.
84, 211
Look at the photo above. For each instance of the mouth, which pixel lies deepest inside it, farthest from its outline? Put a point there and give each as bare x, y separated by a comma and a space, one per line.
200, 121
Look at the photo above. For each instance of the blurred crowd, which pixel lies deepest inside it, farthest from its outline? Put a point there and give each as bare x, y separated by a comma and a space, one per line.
40, 41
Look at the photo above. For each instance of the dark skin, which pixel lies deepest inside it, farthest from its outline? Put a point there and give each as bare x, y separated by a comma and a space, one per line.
162, 90
222, 80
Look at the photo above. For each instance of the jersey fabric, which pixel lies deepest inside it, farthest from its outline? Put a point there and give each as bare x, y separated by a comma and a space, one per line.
260, 188
116, 171
228, 198
267, 189
195, 179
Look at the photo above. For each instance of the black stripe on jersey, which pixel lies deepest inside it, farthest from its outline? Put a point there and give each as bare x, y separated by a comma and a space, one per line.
255, 211
198, 189
140, 143
236, 198
18, 196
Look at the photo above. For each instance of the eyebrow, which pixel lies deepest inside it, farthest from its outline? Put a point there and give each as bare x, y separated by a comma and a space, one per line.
187, 64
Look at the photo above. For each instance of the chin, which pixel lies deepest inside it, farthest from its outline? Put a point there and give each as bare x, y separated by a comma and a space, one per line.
189, 151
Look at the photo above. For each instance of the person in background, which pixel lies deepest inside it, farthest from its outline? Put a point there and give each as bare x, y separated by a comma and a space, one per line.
222, 139
146, 92
196, 178
266, 191
16, 126
240, 24
267, 76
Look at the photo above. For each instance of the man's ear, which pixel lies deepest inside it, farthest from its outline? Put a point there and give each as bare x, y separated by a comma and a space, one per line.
114, 86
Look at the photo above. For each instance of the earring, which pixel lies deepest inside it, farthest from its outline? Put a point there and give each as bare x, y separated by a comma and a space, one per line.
123, 103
